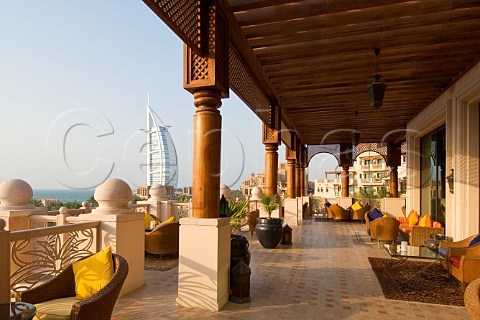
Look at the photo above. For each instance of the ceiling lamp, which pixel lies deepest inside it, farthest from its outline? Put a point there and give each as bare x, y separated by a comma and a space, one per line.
376, 90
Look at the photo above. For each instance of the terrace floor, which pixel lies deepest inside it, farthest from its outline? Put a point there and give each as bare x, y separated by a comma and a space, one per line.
325, 274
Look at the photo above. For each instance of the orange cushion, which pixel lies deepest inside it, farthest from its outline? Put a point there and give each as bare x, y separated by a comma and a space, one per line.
403, 220
428, 222
436, 224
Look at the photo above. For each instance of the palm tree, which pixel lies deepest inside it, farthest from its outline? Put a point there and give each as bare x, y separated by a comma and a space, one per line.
269, 203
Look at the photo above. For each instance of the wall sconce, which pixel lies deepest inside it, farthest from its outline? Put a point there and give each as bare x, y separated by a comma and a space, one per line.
450, 180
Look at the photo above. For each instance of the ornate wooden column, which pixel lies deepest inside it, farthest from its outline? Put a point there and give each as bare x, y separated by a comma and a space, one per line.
393, 161
271, 140
206, 76
290, 156
203, 269
346, 161
207, 125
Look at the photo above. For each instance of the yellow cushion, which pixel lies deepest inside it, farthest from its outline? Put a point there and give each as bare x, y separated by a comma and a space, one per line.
93, 273
356, 206
147, 218
58, 309
412, 218
171, 219
421, 222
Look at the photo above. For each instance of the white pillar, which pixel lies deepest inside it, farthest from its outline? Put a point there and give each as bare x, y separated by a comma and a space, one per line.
204, 263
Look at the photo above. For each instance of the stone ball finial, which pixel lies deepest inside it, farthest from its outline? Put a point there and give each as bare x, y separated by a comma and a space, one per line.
157, 192
113, 193
15, 193
3, 224
257, 192
63, 210
225, 191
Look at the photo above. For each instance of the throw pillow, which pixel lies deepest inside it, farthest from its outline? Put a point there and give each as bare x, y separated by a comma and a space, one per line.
474, 241
412, 218
356, 206
421, 222
374, 214
428, 222
171, 219
93, 273
436, 224
147, 218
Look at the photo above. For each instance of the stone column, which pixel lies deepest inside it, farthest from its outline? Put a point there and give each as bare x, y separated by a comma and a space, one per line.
302, 181
121, 228
271, 168
393, 182
291, 178
345, 182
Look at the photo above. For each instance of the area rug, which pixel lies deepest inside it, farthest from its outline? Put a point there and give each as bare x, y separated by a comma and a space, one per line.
431, 286
160, 263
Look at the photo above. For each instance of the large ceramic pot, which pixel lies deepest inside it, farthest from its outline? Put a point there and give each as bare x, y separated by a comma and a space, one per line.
269, 232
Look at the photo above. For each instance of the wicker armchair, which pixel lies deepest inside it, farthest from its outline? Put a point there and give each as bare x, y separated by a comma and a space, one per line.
472, 299
163, 239
464, 264
252, 217
384, 229
338, 213
360, 213
98, 306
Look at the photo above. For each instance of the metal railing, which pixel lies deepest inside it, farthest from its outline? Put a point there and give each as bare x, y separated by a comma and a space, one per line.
37, 255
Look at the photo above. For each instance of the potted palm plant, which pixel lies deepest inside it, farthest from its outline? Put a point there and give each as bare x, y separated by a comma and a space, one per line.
268, 229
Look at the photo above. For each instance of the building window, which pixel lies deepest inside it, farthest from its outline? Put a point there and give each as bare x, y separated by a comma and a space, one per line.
432, 177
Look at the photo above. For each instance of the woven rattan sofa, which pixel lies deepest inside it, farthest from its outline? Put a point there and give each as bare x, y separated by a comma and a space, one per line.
163, 239
416, 234
60, 294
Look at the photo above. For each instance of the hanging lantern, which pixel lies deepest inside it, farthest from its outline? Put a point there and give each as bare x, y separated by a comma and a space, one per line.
356, 137
376, 91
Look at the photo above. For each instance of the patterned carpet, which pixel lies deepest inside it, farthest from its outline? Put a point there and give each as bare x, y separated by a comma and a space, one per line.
160, 263
401, 281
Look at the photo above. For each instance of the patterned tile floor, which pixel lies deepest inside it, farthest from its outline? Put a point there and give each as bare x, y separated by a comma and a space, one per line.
325, 274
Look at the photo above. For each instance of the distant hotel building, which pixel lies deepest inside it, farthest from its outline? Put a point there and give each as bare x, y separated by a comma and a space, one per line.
258, 180
162, 165
369, 174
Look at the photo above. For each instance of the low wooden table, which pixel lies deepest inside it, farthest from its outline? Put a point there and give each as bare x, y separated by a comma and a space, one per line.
17, 311
414, 252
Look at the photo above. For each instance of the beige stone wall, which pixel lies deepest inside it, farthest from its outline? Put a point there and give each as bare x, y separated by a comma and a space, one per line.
458, 109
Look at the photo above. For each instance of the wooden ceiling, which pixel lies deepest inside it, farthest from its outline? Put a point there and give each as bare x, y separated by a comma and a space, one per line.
318, 58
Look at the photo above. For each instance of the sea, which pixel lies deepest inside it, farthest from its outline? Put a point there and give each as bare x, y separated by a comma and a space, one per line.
64, 195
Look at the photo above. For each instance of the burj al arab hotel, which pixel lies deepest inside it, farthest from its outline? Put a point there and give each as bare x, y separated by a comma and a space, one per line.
162, 165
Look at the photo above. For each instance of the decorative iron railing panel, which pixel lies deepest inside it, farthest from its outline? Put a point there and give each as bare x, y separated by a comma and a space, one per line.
39, 254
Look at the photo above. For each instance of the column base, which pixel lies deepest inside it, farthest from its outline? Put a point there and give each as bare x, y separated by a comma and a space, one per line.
204, 263
290, 212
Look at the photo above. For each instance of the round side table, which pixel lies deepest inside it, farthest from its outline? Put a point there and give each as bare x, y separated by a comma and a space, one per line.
17, 311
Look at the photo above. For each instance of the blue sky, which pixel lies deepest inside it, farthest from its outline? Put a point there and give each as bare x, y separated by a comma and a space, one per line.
81, 70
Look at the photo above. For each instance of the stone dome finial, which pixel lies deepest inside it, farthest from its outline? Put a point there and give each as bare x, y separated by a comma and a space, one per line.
3, 224
257, 192
225, 190
157, 192
15, 193
113, 193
